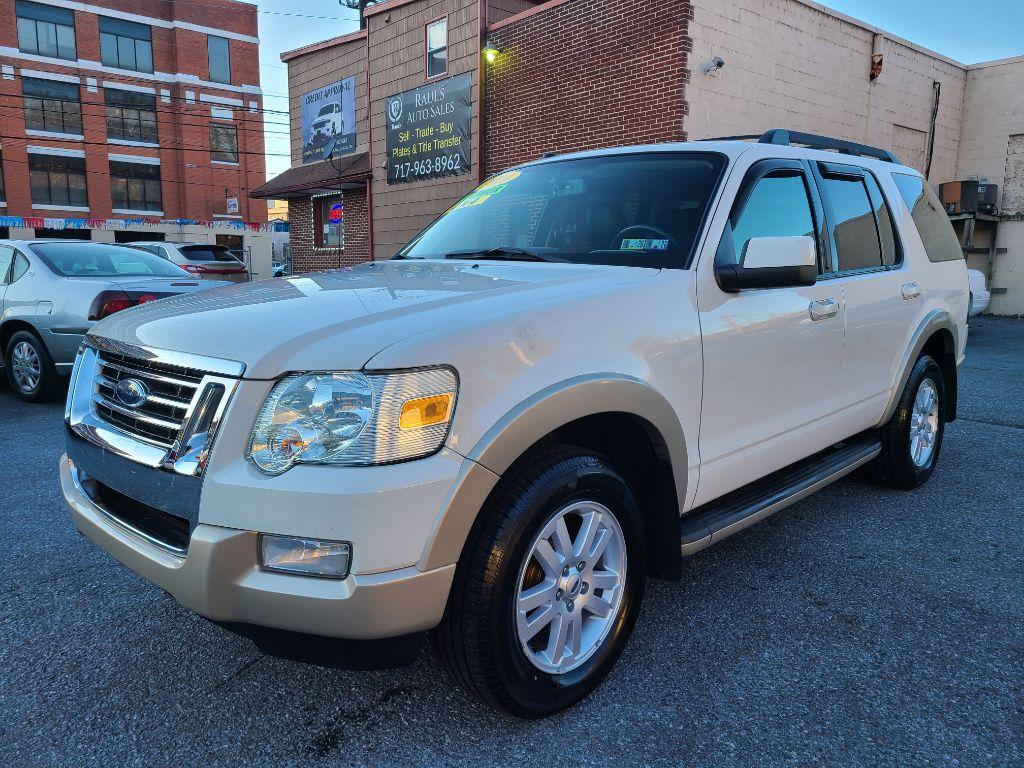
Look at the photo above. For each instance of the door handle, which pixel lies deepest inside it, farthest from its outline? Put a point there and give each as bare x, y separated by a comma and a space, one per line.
910, 291
823, 309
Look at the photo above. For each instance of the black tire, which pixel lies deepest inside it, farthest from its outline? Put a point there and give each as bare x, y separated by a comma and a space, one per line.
477, 639
46, 387
894, 466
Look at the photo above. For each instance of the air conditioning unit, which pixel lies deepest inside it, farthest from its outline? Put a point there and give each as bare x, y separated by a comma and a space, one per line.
959, 196
987, 199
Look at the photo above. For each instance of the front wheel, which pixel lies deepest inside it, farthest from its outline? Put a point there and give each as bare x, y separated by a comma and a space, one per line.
549, 588
911, 439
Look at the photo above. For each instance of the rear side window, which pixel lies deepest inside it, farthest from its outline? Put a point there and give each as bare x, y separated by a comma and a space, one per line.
855, 234
886, 231
6, 257
778, 206
207, 253
20, 267
932, 223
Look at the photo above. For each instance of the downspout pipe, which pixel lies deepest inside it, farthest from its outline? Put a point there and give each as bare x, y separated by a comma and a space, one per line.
936, 93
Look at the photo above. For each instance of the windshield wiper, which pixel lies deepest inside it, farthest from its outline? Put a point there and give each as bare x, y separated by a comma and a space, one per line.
503, 253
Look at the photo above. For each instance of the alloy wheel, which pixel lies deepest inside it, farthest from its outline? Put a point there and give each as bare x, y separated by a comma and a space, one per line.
26, 366
924, 424
570, 587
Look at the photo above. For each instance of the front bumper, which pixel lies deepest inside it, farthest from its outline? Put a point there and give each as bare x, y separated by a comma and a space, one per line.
219, 577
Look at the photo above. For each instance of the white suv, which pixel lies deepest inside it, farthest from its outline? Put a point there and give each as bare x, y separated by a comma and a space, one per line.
591, 367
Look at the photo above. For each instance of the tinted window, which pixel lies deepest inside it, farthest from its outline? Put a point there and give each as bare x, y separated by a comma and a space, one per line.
45, 30
778, 206
101, 260
126, 44
57, 180
886, 231
223, 143
643, 209
932, 223
207, 253
20, 267
855, 234
6, 257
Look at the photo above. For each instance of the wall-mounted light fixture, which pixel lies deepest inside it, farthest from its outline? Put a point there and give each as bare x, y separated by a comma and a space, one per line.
491, 51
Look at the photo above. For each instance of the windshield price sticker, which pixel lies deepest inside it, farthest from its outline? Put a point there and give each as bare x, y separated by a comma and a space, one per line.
487, 190
428, 131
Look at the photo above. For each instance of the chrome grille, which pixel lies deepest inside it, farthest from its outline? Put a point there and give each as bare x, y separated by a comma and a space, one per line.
160, 418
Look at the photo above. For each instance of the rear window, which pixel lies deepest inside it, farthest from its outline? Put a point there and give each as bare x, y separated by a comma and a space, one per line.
102, 260
932, 223
206, 253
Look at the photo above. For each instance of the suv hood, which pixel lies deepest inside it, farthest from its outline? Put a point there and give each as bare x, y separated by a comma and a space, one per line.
339, 320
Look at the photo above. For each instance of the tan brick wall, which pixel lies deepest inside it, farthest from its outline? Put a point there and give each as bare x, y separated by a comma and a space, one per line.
587, 74
397, 50
791, 64
992, 145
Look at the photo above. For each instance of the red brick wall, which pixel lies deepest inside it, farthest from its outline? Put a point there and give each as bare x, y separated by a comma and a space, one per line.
306, 257
586, 74
192, 186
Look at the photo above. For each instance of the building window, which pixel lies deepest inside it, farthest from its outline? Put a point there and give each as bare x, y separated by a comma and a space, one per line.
131, 116
437, 48
57, 180
135, 186
223, 143
126, 44
45, 30
329, 222
218, 55
51, 105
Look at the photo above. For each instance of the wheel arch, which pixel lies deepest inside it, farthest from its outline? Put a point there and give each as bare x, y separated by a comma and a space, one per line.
10, 327
937, 336
584, 412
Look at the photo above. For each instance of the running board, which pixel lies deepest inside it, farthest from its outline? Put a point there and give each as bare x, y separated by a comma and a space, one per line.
718, 519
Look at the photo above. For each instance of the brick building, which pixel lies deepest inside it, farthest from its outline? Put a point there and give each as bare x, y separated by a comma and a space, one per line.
563, 75
131, 119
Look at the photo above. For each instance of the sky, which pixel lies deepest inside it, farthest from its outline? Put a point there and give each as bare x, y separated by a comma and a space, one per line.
966, 30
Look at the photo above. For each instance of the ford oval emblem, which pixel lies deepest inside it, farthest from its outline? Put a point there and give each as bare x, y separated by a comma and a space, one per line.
131, 392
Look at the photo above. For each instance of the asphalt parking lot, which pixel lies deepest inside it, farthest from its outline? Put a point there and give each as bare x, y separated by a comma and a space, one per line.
860, 627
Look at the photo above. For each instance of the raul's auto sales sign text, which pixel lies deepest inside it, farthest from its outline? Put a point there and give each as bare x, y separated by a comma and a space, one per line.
429, 130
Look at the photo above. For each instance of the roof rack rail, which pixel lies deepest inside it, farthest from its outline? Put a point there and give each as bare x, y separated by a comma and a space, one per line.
786, 138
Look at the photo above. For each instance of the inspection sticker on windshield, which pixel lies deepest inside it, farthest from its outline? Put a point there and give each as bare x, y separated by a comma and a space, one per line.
487, 190
644, 245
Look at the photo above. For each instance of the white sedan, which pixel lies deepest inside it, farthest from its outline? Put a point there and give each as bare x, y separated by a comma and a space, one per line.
979, 293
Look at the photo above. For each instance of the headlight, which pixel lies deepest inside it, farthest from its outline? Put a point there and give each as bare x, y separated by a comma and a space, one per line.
353, 419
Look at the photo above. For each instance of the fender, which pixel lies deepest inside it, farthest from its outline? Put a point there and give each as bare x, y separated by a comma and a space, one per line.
531, 421
936, 320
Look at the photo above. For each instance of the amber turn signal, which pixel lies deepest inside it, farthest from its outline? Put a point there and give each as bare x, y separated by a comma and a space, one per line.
426, 411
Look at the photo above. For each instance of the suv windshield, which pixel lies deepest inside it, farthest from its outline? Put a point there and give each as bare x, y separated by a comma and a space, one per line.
101, 260
642, 210
206, 253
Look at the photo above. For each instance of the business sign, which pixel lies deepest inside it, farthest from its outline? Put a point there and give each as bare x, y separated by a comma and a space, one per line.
328, 114
336, 214
429, 131
231, 204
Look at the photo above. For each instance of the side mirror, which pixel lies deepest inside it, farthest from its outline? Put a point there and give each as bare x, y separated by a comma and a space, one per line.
771, 262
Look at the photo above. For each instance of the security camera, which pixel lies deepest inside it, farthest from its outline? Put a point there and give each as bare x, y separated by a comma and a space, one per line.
712, 66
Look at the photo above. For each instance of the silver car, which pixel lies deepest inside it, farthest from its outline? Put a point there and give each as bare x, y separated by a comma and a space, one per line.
51, 293
203, 260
